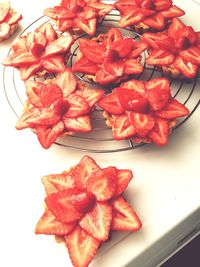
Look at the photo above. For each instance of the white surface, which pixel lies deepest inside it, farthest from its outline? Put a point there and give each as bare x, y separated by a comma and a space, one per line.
165, 191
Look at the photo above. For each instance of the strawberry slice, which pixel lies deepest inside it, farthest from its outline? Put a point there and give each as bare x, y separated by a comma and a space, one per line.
123, 47
33, 93
123, 178
172, 12
54, 64
191, 54
175, 26
83, 65
124, 217
111, 104
160, 5
104, 78
27, 71
48, 135
93, 51
143, 123
20, 59
123, 128
102, 183
158, 98
87, 13
58, 12
48, 31
97, 222
4, 9
91, 96
88, 26
65, 24
79, 124
101, 8
144, 3
113, 36
156, 40
173, 110
49, 225
4, 30
159, 134
37, 41
25, 120
83, 169
49, 93
158, 83
160, 57
188, 69
133, 66
77, 106
13, 17
67, 82
81, 243
138, 48
156, 21
135, 85
57, 182
115, 68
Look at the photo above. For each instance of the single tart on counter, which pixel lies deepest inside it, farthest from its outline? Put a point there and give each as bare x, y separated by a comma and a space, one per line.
9, 20
79, 16
148, 15
83, 205
58, 107
176, 51
109, 58
39, 52
142, 111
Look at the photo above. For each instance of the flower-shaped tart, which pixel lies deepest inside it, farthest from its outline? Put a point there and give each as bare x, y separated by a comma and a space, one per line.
58, 107
176, 51
109, 58
142, 111
83, 205
38, 52
78, 15
148, 15
9, 19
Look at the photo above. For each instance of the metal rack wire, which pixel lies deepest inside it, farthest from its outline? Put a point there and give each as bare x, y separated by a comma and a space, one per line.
100, 139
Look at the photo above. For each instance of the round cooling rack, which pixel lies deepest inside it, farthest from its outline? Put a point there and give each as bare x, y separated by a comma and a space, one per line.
100, 139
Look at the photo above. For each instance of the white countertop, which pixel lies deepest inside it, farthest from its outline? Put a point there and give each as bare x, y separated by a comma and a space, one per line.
165, 191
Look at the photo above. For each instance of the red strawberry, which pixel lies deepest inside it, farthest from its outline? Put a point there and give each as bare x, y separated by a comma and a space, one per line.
4, 9
156, 21
158, 83
160, 5
143, 123
58, 12
49, 93
101, 8
104, 78
124, 217
123, 47
123, 179
13, 17
160, 57
173, 110
83, 65
54, 64
20, 59
48, 31
175, 26
27, 71
159, 134
102, 183
33, 93
97, 222
115, 67
136, 85
132, 66
138, 48
191, 54
84, 203
66, 81
49, 225
172, 12
91, 96
79, 124
77, 106
158, 98
188, 69
111, 104
88, 26
83, 169
25, 120
81, 246
113, 36
94, 52
123, 128
156, 40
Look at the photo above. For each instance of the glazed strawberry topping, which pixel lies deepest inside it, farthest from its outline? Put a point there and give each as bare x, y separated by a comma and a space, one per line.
112, 59
41, 50
177, 48
148, 14
142, 110
85, 213
78, 15
57, 107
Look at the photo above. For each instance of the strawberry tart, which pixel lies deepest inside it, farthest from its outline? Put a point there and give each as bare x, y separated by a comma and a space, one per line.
39, 52
83, 205
176, 51
9, 20
78, 16
142, 111
58, 107
148, 15
109, 58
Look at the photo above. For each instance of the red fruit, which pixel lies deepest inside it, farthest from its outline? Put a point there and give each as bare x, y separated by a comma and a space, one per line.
158, 98
104, 78
101, 8
175, 26
156, 40
132, 66
158, 83
77, 106
91, 96
20, 59
48, 31
156, 21
88, 26
111, 104
49, 93
188, 69
37, 49
27, 72
144, 3
4, 9
113, 67
83, 169
173, 110
132, 100
33, 93
93, 51
172, 12
123, 47
160, 57
79, 124
191, 54
49, 225
25, 120
123, 128
123, 178
138, 48
159, 134
13, 17
160, 5
84, 202
113, 35
143, 123
135, 85
67, 82
82, 247
61, 107
124, 217
54, 64
83, 65
58, 12
97, 222
102, 183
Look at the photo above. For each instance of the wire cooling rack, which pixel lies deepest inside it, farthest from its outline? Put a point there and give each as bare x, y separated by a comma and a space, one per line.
100, 139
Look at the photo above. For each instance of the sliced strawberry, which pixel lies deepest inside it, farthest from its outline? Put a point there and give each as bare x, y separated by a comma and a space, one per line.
49, 93
191, 54
135, 85
57, 182
65, 24
113, 36
83, 65
159, 134
48, 31
13, 17
158, 83
19, 44
4, 30
20, 59
102, 183
123, 47
28, 71
156, 21
172, 12
79, 124
173, 110
97, 222
33, 93
93, 51
54, 64
123, 128
132, 100
87, 13
66, 81
85, 202
88, 26
77, 106
175, 26
104, 78
160, 5
91, 96
111, 104
58, 12
116, 68
81, 243
48, 135
101, 8
37, 42
4, 9
123, 178
138, 48
133, 66
25, 120
142, 123
154, 40
158, 98
188, 69
49, 225
61, 107
160, 57
144, 3
83, 169
124, 217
